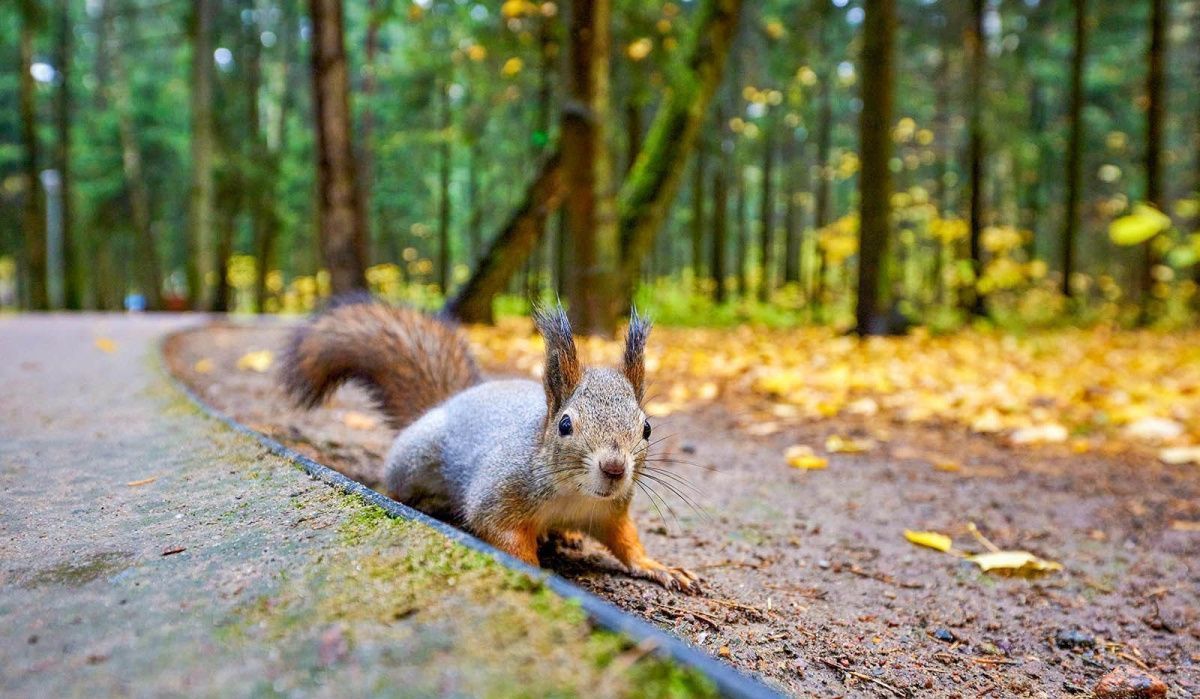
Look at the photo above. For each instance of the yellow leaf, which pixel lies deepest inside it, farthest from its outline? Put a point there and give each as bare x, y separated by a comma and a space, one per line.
1177, 456
801, 456
358, 421
512, 66
948, 465
1143, 224
848, 445
1040, 434
1019, 562
259, 360
203, 366
106, 345
933, 540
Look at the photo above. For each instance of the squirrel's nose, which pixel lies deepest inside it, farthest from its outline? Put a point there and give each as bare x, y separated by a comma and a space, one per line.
612, 467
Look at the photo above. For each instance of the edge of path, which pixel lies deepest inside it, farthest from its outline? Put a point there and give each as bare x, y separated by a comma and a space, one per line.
729, 681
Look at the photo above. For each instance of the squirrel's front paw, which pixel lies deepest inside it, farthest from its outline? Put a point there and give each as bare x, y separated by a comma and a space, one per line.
670, 578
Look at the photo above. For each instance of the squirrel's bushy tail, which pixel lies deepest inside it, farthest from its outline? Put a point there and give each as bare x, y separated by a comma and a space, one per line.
408, 360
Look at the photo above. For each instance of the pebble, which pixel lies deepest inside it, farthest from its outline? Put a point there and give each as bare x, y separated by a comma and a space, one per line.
1068, 639
945, 635
1129, 683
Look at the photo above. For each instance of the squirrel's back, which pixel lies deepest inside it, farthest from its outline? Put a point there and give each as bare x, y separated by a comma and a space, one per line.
407, 360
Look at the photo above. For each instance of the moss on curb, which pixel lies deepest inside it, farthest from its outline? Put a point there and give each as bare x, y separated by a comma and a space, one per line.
393, 594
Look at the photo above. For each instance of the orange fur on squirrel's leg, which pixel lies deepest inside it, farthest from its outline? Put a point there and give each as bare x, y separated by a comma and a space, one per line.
521, 543
621, 538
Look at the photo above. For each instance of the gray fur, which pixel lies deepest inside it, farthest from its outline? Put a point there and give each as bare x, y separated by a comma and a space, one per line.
489, 459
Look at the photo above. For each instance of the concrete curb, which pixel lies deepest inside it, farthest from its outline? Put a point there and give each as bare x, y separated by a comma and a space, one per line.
728, 681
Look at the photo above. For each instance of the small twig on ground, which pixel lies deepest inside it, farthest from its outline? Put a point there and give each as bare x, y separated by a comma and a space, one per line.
987, 544
867, 678
710, 620
733, 604
144, 481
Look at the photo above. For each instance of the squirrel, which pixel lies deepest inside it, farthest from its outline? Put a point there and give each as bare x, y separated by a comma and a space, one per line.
511, 461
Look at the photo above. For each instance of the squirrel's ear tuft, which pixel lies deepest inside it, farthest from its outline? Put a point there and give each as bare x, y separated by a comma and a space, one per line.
634, 362
562, 364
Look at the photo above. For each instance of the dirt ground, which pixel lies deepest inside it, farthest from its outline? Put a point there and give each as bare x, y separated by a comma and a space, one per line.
808, 579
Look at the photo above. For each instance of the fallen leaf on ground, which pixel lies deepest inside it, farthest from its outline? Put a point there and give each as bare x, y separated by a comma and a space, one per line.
359, 421
1182, 525
104, 344
1019, 562
259, 360
948, 465
203, 366
1154, 429
801, 456
933, 540
836, 444
1052, 433
1176, 456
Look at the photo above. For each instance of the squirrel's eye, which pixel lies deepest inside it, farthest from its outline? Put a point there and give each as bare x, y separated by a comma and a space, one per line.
646, 430
564, 425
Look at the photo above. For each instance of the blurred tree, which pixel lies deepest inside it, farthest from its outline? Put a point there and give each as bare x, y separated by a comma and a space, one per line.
589, 208
1075, 146
1155, 110
74, 280
651, 186
200, 261
120, 97
875, 120
973, 39
766, 212
34, 218
342, 220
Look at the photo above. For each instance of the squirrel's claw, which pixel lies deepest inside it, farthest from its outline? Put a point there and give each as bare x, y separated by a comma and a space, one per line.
674, 579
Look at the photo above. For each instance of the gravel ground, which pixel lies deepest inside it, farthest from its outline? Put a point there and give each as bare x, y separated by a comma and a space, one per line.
808, 578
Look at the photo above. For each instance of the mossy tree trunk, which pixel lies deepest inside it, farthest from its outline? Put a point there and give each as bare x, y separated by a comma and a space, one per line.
511, 245
651, 186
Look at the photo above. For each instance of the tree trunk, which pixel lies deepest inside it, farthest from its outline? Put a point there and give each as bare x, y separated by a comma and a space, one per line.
200, 264
74, 280
633, 132
875, 121
720, 192
269, 198
1074, 147
651, 186
1155, 111
821, 217
511, 246
34, 218
341, 220
590, 225
741, 213
791, 224
475, 219
975, 155
366, 140
444, 164
149, 272
698, 215
767, 214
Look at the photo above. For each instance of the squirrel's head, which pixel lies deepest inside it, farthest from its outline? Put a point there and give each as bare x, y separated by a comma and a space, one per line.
596, 434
